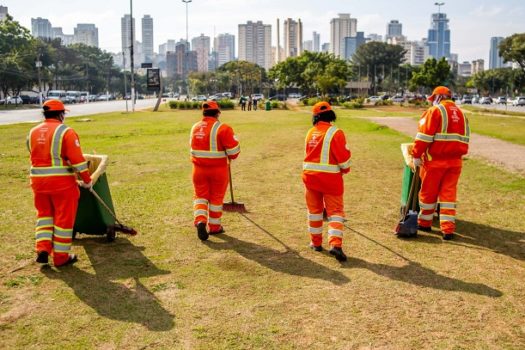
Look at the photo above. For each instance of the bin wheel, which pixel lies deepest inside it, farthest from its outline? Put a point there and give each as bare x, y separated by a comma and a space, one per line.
111, 234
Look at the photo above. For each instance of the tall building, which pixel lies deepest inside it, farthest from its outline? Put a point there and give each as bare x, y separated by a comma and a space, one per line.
308, 45
41, 28
171, 64
147, 38
224, 47
374, 37
352, 43
439, 36
181, 61
125, 29
255, 43
495, 60
317, 42
86, 33
325, 47
201, 45
465, 69
478, 66
416, 52
293, 38
65, 39
3, 13
341, 28
394, 28
168, 46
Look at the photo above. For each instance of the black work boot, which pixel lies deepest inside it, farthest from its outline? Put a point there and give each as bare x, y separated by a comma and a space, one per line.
424, 228
42, 257
338, 253
447, 236
201, 231
317, 248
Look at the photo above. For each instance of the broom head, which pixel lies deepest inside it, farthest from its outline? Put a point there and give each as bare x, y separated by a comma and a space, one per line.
235, 207
125, 229
407, 226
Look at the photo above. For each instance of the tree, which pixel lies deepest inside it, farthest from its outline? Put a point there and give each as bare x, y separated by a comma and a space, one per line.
246, 77
433, 73
498, 81
512, 49
377, 61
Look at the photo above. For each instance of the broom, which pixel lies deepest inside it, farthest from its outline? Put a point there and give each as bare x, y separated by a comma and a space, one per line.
118, 226
233, 206
407, 226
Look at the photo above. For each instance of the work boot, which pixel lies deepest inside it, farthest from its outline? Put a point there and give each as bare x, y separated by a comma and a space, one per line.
338, 253
317, 248
424, 228
70, 260
42, 257
220, 230
447, 236
201, 231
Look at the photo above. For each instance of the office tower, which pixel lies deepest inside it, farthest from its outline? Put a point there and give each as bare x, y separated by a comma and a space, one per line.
171, 64
439, 36
308, 45
317, 42
255, 43
167, 46
224, 47
41, 28
87, 34
3, 13
293, 38
147, 38
478, 66
201, 45
465, 69
416, 52
341, 28
352, 43
374, 37
125, 28
495, 60
325, 47
394, 29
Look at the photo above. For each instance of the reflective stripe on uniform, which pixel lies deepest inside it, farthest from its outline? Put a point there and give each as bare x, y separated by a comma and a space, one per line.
336, 218
447, 205
216, 208
213, 136
44, 221
424, 137
56, 144
200, 212
61, 247
315, 230
427, 206
200, 201
234, 150
452, 137
447, 218
325, 168
207, 154
43, 236
345, 165
315, 217
335, 232
444, 118
425, 216
214, 221
51, 171
80, 167
325, 151
63, 233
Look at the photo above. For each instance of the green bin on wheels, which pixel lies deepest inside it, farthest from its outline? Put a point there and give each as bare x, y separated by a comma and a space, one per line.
408, 177
92, 217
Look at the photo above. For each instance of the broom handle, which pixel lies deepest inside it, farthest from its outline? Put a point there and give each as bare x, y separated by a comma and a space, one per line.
104, 204
231, 184
416, 185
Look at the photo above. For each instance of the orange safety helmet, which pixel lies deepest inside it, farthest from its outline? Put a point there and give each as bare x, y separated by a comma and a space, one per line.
321, 107
53, 105
440, 90
210, 105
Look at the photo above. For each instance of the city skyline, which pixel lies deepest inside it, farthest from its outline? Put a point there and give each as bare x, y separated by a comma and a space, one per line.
468, 21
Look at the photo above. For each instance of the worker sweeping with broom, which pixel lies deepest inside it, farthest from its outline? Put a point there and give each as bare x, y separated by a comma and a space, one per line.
213, 145
327, 158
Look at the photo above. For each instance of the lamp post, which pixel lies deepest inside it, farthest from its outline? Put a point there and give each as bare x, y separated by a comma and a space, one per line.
38, 65
186, 2
439, 4
132, 39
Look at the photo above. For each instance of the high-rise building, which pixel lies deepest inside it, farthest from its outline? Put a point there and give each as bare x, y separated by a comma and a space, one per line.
255, 43
478, 66
416, 52
325, 47
394, 28
41, 28
293, 38
352, 43
308, 45
125, 29
181, 61
439, 36
224, 47
171, 64
86, 33
201, 45
341, 28
168, 46
495, 60
374, 37
3, 13
465, 69
317, 42
147, 38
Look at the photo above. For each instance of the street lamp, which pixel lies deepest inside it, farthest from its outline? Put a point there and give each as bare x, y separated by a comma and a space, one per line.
186, 2
439, 4
38, 65
132, 39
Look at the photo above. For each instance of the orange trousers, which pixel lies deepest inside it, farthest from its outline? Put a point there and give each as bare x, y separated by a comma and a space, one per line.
439, 185
56, 214
209, 184
317, 201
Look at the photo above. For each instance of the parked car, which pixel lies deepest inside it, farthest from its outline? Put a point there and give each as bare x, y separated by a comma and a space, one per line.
486, 100
519, 101
278, 97
374, 99
475, 99
294, 95
105, 97
466, 100
257, 96
227, 94
14, 100
398, 99
502, 100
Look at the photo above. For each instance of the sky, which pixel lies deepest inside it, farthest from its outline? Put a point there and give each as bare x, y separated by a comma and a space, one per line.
472, 22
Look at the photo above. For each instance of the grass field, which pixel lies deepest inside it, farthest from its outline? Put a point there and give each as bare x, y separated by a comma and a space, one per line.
258, 285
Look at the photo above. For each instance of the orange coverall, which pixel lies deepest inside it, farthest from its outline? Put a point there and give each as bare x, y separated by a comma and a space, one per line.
442, 139
212, 144
55, 156
327, 158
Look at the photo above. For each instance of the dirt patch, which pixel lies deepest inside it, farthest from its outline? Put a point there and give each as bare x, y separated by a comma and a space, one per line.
501, 153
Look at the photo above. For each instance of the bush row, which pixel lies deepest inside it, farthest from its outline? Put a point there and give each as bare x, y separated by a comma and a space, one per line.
223, 104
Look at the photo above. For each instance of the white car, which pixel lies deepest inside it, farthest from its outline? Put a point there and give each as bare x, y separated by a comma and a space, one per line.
374, 99
519, 101
14, 100
257, 97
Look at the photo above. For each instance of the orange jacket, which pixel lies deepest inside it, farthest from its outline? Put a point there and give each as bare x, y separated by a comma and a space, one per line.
327, 158
443, 134
55, 157
212, 142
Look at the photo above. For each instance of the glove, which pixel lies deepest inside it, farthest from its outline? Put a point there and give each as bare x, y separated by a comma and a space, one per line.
87, 186
417, 162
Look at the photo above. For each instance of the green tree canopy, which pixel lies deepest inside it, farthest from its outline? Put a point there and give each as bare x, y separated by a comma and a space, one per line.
512, 49
433, 73
246, 77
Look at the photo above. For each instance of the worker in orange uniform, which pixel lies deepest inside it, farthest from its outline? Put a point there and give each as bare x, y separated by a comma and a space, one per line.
213, 145
327, 158
55, 157
442, 139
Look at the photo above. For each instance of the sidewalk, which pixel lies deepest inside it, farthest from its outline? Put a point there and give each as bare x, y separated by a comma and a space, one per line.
501, 153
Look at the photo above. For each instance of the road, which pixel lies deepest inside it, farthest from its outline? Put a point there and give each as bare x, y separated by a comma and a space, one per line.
75, 110
499, 107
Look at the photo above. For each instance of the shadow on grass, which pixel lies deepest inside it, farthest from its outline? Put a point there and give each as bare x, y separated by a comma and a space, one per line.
113, 300
289, 262
415, 273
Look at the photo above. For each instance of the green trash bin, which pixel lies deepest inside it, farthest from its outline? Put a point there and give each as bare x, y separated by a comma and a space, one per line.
92, 217
408, 177
268, 105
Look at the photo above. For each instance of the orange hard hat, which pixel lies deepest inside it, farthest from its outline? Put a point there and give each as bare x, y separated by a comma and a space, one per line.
440, 90
321, 107
209, 105
53, 105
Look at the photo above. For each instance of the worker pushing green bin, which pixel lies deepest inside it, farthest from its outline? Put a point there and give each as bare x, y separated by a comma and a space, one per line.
96, 214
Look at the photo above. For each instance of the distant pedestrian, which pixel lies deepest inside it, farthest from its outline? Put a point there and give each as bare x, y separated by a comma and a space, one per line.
255, 104
242, 102
250, 103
